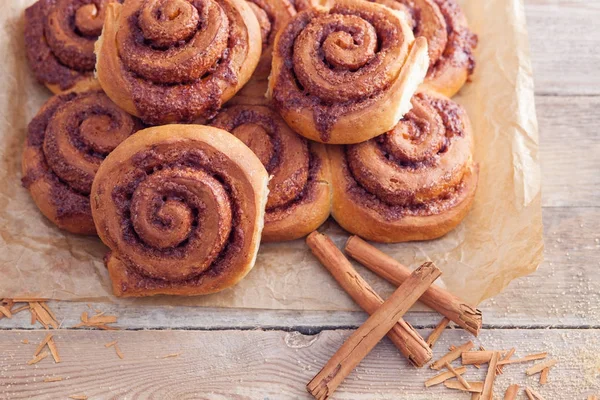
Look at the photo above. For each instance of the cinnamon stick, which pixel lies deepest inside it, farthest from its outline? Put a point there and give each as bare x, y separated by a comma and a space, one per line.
511, 392
364, 339
488, 384
442, 301
403, 335
544, 376
437, 332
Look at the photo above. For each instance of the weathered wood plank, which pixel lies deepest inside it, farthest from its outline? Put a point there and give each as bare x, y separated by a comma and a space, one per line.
565, 292
569, 149
563, 41
268, 365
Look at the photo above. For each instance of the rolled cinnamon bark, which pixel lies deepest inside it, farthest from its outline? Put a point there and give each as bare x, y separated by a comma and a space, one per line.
403, 335
442, 301
366, 337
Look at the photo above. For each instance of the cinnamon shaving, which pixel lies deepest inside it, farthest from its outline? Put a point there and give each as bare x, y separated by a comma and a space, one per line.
172, 355
533, 395
511, 392
78, 397
540, 367
42, 344
38, 358
48, 341
488, 384
117, 349
99, 321
53, 379
458, 376
54, 351
506, 357
476, 387
437, 332
544, 376
452, 355
444, 376
25, 341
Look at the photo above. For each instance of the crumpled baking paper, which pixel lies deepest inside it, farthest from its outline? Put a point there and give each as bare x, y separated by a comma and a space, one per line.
500, 240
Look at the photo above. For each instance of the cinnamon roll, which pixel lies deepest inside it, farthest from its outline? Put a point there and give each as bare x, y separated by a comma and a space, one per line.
345, 73
66, 142
451, 42
181, 208
299, 190
302, 5
416, 182
272, 16
59, 39
176, 61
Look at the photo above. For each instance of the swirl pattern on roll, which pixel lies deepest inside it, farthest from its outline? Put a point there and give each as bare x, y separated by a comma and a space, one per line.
181, 208
299, 197
177, 60
60, 37
451, 42
334, 68
415, 182
66, 143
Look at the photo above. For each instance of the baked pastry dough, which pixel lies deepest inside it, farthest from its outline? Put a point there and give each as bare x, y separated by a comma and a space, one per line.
176, 61
416, 182
66, 142
59, 39
451, 42
346, 73
299, 189
181, 208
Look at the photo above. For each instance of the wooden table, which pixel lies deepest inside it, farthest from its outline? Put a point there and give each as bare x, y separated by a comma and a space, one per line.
257, 354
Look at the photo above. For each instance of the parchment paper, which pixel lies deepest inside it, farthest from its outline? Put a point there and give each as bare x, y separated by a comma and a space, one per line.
500, 240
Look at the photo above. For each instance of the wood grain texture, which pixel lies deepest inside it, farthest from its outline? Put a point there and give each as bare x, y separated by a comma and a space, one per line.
268, 365
563, 36
569, 150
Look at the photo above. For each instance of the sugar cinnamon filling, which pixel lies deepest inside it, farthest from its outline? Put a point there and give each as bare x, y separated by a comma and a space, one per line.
338, 61
419, 167
60, 37
71, 137
184, 51
285, 155
179, 215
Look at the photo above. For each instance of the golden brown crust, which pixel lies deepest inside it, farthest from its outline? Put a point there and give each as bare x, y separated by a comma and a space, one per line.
66, 142
417, 182
451, 42
361, 87
182, 208
272, 16
59, 38
155, 63
300, 196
